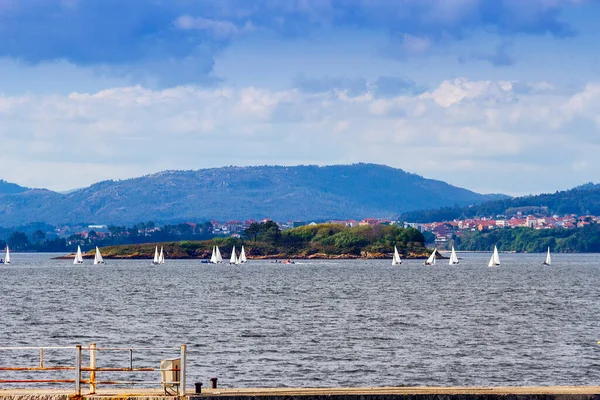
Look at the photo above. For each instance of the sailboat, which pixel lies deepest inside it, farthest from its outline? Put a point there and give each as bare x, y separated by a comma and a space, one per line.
453, 258
547, 262
7, 258
431, 259
213, 257
242, 256
219, 258
78, 256
98, 257
396, 259
161, 257
495, 260
155, 259
233, 259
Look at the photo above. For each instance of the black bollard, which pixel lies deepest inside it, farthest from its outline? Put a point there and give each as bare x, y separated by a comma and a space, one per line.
198, 387
213, 382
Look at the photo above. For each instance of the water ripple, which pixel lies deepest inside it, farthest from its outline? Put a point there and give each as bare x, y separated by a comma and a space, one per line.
334, 323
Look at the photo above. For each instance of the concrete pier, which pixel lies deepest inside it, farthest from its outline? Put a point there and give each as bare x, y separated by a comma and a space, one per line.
370, 393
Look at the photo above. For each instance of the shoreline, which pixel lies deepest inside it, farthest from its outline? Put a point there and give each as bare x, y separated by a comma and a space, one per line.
318, 256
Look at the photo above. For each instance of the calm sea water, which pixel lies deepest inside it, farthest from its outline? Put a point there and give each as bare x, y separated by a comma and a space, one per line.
319, 323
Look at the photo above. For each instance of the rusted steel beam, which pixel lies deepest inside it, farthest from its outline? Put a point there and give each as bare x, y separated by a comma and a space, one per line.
126, 382
92, 368
37, 380
129, 348
119, 369
56, 368
36, 348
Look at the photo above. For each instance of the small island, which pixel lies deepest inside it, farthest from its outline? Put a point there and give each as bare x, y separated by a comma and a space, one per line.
266, 241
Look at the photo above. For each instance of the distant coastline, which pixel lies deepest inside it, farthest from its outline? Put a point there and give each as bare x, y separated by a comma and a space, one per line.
266, 241
108, 253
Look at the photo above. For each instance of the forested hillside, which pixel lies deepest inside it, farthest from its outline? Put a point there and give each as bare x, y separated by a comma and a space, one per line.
581, 240
300, 193
581, 200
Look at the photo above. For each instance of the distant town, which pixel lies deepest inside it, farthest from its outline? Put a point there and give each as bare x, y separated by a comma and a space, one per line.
46, 237
443, 230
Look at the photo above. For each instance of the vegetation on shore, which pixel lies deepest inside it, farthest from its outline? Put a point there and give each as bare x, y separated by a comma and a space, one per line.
580, 240
33, 237
266, 240
581, 200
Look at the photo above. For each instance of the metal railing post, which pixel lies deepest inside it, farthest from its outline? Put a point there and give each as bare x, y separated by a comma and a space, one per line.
92, 368
78, 370
182, 371
177, 375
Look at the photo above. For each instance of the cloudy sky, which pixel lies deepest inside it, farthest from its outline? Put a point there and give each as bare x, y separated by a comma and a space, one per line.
491, 95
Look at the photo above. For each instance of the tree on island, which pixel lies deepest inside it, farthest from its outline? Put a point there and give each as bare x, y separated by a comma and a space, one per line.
18, 241
38, 236
267, 231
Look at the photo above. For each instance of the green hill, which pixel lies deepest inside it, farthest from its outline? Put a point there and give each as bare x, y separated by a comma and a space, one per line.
301, 193
10, 188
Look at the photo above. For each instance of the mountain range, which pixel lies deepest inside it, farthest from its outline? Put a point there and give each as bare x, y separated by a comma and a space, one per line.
299, 193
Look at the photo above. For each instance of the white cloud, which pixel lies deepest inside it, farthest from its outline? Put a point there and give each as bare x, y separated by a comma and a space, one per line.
415, 44
457, 90
466, 132
220, 29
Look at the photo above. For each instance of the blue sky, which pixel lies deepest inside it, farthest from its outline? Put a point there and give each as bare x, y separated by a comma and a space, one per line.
491, 95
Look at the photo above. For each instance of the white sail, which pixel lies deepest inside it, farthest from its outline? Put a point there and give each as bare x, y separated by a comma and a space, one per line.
396, 259
213, 257
78, 256
161, 257
495, 259
431, 259
547, 262
98, 257
453, 258
219, 258
233, 258
242, 256
155, 259
7, 258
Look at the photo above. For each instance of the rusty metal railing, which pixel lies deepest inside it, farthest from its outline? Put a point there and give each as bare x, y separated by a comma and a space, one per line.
180, 372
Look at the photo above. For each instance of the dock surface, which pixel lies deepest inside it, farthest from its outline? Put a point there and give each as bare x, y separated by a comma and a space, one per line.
366, 393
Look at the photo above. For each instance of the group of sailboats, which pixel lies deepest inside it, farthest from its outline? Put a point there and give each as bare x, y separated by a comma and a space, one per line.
97, 257
494, 260
234, 259
453, 258
217, 258
159, 258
